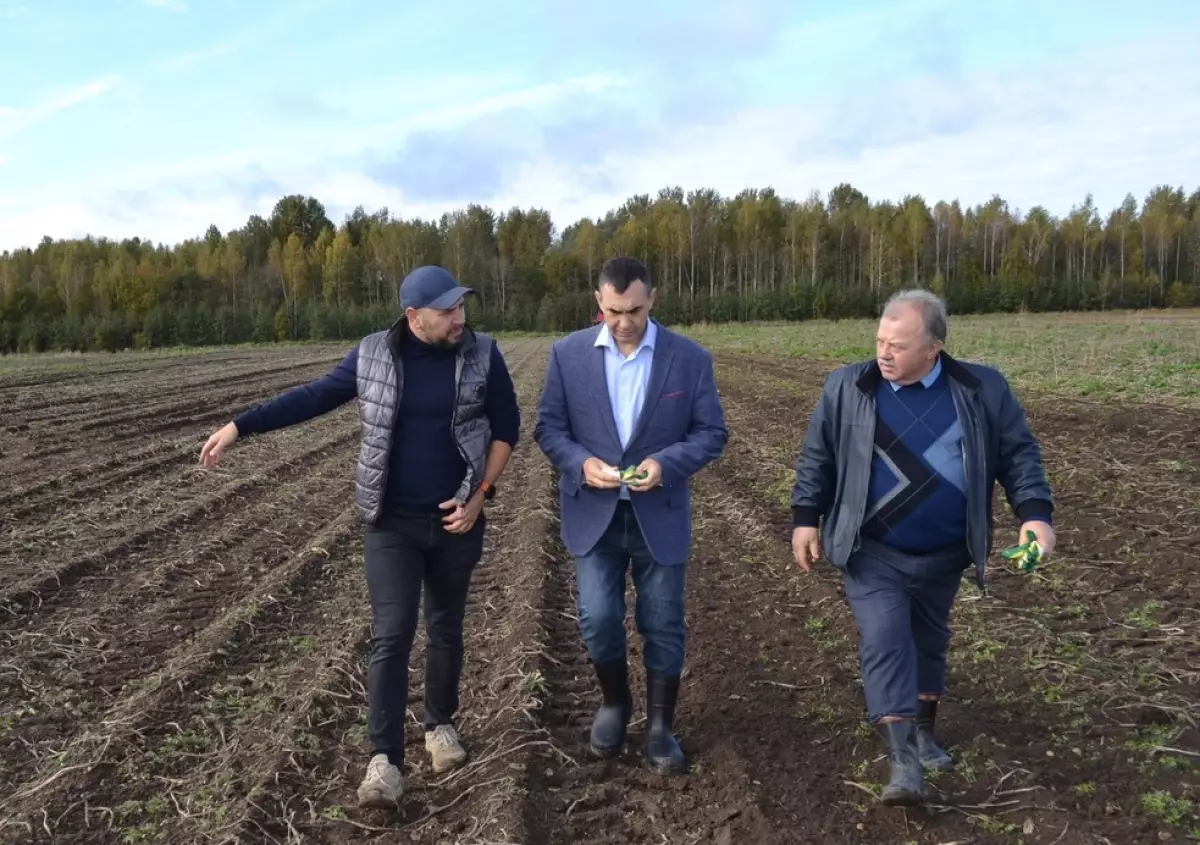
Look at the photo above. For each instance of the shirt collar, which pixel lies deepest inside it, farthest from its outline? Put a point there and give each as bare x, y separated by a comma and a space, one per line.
605, 338
927, 381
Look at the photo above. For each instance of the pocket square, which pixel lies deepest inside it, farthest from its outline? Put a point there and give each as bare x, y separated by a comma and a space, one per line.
674, 394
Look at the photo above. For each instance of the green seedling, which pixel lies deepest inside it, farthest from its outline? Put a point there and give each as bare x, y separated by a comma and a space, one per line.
1027, 555
630, 473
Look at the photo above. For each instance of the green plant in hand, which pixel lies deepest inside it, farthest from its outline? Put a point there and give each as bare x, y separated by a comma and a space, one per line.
630, 473
1027, 555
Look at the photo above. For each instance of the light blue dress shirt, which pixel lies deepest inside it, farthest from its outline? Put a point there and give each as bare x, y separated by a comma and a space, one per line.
628, 378
928, 380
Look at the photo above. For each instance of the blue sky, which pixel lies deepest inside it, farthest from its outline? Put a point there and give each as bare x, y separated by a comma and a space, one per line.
158, 117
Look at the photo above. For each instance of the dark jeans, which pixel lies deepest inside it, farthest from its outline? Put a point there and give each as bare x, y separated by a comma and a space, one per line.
902, 603
405, 551
660, 601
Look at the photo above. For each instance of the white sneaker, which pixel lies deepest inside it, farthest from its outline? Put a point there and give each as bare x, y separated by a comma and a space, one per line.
444, 749
382, 786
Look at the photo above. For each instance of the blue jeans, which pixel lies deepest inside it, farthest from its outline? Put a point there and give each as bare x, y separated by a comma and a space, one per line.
601, 603
902, 603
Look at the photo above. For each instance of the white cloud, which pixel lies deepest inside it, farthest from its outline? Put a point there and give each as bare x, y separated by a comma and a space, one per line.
179, 200
13, 120
351, 139
1114, 121
311, 153
15, 13
1027, 164
165, 218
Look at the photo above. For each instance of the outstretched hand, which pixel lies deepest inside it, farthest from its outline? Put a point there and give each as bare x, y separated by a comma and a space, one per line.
221, 439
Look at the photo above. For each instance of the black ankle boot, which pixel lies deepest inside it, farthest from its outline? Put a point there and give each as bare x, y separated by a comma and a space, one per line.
906, 786
612, 719
933, 758
663, 754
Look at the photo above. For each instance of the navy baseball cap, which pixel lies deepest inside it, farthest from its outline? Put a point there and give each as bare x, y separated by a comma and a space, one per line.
431, 286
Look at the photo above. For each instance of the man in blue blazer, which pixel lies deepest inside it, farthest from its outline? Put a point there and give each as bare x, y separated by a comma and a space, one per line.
625, 393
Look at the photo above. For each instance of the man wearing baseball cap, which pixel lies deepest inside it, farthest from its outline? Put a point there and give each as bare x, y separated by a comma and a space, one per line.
439, 422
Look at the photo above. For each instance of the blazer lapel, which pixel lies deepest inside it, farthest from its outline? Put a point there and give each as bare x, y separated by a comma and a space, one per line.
664, 355
595, 356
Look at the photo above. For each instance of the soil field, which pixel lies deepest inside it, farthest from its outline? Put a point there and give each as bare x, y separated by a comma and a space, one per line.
182, 651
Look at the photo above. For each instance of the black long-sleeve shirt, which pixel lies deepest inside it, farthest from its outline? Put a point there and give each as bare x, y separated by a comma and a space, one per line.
425, 467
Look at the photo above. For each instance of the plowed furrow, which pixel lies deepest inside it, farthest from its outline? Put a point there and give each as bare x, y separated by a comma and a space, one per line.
50, 483
23, 586
182, 399
802, 679
43, 383
140, 426
96, 642
65, 491
158, 377
571, 697
221, 751
25, 414
112, 759
15, 383
110, 429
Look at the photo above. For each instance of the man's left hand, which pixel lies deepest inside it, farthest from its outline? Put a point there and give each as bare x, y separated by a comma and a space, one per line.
461, 518
1044, 533
653, 476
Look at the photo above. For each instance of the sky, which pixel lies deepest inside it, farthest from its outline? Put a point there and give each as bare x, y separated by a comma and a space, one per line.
157, 118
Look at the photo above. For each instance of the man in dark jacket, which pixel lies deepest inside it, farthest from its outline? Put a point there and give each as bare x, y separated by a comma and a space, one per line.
439, 422
898, 471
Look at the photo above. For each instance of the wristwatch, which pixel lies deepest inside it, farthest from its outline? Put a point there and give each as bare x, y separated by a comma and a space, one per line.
489, 490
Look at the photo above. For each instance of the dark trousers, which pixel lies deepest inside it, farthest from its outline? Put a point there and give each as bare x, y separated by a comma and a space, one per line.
601, 577
406, 551
902, 604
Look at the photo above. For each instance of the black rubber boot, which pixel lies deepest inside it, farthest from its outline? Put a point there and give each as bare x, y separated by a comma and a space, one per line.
933, 757
612, 719
663, 754
906, 787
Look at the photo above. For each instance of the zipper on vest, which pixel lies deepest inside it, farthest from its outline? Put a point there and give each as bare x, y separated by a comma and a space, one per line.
965, 411
397, 378
459, 366
861, 509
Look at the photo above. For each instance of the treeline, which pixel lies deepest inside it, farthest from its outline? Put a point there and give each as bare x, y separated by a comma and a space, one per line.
755, 256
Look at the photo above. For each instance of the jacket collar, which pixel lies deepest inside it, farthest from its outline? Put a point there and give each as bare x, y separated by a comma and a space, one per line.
954, 369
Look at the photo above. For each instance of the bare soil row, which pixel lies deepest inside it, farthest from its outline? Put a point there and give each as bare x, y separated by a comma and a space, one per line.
71, 437
196, 670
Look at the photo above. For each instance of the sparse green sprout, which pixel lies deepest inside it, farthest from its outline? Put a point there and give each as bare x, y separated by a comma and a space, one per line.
1027, 555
